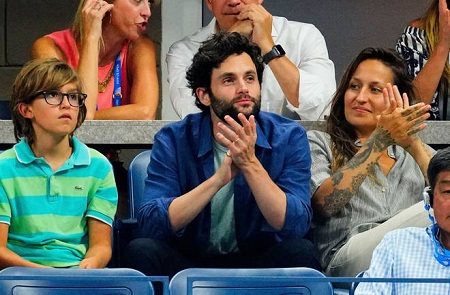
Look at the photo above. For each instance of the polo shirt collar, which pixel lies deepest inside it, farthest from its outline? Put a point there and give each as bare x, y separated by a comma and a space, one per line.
79, 157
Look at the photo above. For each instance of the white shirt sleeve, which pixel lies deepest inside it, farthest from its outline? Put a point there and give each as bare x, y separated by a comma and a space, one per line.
179, 59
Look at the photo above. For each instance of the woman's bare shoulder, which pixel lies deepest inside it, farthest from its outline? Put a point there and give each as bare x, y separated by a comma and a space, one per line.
417, 23
45, 47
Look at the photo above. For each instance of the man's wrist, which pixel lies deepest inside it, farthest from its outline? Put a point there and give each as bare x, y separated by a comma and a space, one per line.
276, 52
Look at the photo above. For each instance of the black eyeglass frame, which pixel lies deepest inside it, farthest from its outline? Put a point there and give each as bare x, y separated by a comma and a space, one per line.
44, 93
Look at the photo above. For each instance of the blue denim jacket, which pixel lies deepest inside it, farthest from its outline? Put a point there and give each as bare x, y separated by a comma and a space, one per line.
182, 158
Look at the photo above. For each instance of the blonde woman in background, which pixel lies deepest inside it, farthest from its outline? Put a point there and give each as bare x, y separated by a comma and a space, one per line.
425, 45
113, 57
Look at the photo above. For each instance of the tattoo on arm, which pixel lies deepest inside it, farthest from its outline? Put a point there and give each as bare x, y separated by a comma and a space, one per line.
337, 200
337, 177
357, 181
380, 141
339, 197
358, 159
371, 168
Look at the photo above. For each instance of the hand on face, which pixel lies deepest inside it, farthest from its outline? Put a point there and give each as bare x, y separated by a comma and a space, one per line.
400, 122
255, 21
243, 27
93, 13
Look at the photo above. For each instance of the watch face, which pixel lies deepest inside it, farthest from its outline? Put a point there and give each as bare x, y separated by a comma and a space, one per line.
280, 50
276, 51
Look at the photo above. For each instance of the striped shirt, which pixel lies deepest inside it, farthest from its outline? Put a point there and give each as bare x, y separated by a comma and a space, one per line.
374, 202
47, 210
405, 253
412, 46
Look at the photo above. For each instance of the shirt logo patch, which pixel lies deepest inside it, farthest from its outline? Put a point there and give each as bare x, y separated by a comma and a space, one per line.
79, 187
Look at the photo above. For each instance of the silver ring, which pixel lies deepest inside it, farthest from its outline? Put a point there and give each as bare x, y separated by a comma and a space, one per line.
228, 154
236, 140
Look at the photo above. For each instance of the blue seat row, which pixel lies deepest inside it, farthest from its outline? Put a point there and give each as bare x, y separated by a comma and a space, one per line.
127, 229
70, 281
198, 281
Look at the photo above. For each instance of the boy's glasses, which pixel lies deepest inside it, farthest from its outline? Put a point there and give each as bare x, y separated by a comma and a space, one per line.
56, 97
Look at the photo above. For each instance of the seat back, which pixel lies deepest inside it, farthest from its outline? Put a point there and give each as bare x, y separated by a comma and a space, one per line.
137, 173
73, 281
355, 284
127, 229
263, 281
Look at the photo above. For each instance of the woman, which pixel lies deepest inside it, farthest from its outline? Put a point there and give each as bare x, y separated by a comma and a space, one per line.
107, 47
425, 45
58, 196
369, 165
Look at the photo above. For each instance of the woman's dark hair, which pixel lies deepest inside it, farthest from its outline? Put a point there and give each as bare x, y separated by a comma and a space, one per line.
213, 53
343, 135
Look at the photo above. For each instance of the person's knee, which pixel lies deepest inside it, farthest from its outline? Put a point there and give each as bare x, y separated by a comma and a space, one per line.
140, 248
142, 254
301, 246
143, 246
299, 252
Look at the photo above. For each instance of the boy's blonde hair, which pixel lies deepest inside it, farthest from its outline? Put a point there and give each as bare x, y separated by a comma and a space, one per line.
40, 75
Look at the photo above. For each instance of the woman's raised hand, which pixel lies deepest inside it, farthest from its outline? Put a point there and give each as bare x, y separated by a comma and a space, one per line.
444, 24
400, 122
93, 13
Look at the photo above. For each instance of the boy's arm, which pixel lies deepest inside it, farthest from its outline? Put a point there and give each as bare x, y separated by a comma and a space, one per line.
7, 257
99, 251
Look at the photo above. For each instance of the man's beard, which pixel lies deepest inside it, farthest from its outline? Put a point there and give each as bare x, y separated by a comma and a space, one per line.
221, 107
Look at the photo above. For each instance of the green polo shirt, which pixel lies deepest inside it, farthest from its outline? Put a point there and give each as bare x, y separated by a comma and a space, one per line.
47, 210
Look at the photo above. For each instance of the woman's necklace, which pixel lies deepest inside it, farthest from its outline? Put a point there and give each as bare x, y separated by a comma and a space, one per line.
103, 84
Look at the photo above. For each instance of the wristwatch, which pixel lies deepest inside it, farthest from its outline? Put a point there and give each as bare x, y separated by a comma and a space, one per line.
277, 51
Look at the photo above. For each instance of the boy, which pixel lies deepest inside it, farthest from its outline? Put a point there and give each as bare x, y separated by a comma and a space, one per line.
58, 197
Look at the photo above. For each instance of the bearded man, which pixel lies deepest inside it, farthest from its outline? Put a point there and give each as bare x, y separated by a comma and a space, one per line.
227, 187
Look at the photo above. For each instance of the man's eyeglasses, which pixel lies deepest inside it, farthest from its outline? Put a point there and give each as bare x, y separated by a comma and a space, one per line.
56, 97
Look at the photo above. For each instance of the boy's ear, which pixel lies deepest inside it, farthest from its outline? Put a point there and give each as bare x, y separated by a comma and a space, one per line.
203, 96
25, 110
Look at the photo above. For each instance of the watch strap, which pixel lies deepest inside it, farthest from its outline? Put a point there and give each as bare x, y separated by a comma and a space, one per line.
277, 51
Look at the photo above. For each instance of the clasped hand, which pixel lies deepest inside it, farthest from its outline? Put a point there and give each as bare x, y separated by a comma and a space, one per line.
240, 140
256, 22
399, 123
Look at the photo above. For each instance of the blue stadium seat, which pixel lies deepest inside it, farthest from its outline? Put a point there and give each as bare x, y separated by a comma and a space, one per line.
137, 173
73, 281
127, 229
355, 284
341, 291
262, 281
